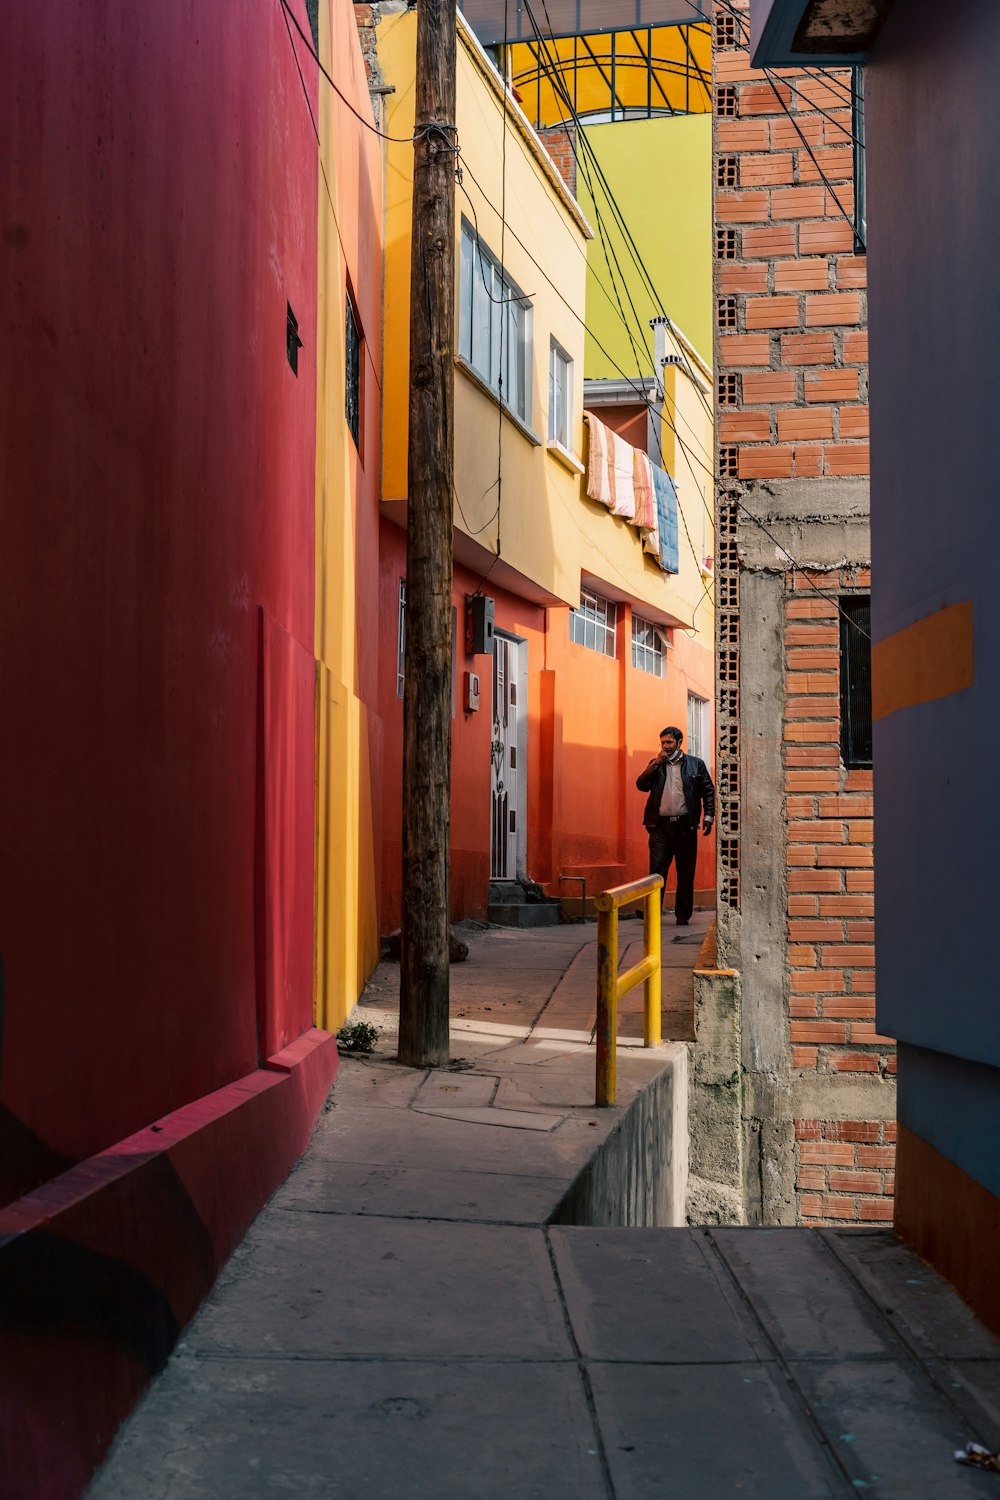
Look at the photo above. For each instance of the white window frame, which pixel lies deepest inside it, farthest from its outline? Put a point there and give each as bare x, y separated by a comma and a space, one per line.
560, 396
595, 623
401, 638
486, 296
698, 730
650, 644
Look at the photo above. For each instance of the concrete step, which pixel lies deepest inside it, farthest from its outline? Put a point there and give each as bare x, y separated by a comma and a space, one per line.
524, 913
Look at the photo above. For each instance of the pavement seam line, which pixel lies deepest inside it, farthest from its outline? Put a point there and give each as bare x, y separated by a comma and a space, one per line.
582, 1366
897, 1322
339, 1161
354, 1213
549, 997
812, 1422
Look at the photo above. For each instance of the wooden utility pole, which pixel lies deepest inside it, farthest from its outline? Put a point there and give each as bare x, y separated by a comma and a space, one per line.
424, 977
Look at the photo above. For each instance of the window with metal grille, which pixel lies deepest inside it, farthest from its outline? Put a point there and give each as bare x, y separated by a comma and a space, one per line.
726, 104
727, 171
725, 244
729, 390
649, 647
697, 726
494, 333
855, 680
727, 312
353, 364
400, 638
593, 624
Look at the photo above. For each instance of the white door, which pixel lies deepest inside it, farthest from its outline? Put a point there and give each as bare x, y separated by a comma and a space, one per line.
507, 782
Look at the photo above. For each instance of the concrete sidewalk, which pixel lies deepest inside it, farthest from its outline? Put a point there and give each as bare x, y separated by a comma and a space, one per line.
414, 1316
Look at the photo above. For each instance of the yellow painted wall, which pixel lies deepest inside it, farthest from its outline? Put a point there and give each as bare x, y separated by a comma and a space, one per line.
348, 732
660, 173
549, 531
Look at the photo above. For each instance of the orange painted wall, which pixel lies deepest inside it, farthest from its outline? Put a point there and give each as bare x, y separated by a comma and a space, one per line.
593, 723
604, 721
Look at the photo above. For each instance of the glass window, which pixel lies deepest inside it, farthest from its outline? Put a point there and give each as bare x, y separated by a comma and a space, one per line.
855, 680
560, 394
593, 624
697, 741
860, 173
353, 362
649, 647
494, 322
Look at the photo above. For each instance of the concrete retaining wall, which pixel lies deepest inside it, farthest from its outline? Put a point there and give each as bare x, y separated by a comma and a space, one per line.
638, 1177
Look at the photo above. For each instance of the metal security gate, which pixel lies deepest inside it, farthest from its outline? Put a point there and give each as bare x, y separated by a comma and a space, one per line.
506, 772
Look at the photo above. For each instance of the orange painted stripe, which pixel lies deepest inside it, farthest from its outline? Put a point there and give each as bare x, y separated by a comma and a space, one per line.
931, 658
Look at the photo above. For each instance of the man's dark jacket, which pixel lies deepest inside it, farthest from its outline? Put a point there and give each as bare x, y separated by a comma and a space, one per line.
699, 793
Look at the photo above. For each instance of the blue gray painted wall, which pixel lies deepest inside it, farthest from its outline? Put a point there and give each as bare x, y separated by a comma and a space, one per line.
934, 231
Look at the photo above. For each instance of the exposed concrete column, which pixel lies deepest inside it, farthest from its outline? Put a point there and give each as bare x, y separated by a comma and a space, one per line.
768, 1129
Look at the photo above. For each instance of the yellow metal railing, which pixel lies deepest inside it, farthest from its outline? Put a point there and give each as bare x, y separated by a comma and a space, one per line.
611, 985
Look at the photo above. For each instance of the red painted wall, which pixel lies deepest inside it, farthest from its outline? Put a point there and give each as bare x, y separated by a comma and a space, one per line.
156, 480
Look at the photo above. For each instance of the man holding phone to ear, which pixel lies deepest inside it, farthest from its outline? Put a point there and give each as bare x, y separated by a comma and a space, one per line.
681, 796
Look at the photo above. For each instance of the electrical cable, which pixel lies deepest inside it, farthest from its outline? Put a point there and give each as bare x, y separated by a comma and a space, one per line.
626, 233
685, 451
435, 128
812, 156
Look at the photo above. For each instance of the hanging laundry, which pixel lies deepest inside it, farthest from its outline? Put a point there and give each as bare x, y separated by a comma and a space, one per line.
651, 539
598, 460
645, 498
622, 483
666, 507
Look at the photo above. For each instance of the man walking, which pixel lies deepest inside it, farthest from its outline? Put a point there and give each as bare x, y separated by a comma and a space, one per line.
680, 795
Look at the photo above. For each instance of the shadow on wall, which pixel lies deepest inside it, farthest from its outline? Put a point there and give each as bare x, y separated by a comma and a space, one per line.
83, 1332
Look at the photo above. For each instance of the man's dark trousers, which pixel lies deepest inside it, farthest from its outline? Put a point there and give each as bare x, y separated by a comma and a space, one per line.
675, 839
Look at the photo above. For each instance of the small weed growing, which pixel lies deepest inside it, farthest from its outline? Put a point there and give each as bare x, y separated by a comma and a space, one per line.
360, 1036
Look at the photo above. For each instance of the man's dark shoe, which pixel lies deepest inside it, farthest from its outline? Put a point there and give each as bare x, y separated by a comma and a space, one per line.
681, 922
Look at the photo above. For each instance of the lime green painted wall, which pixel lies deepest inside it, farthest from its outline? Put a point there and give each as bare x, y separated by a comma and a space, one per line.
660, 172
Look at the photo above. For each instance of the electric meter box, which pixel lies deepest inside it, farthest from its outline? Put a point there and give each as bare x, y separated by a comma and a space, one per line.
479, 625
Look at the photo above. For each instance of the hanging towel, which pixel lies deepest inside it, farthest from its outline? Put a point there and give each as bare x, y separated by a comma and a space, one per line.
598, 461
622, 483
666, 507
651, 538
645, 499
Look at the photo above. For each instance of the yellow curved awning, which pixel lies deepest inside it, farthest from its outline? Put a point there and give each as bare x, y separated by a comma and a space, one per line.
614, 75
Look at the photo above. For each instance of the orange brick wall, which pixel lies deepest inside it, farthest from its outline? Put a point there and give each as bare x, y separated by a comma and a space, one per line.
791, 306
559, 141
792, 404
845, 1170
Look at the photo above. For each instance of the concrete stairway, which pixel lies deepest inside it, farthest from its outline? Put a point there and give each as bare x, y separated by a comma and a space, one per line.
512, 905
